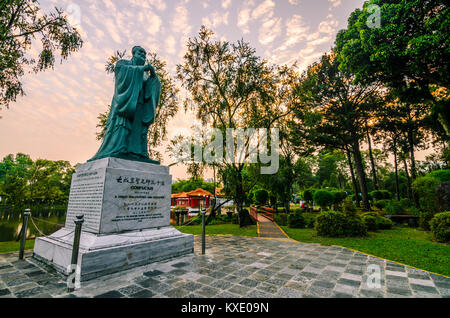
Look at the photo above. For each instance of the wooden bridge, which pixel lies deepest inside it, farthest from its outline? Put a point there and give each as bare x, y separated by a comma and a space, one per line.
267, 228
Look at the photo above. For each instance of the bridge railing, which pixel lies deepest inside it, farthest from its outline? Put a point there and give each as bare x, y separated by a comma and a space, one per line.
268, 213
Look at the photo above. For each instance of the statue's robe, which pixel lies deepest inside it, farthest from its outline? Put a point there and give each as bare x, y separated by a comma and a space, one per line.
133, 110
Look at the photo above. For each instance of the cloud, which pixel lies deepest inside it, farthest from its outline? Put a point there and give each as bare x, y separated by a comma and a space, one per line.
216, 19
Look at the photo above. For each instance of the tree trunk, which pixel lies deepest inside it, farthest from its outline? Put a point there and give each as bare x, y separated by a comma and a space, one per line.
397, 186
361, 175
372, 162
352, 173
412, 155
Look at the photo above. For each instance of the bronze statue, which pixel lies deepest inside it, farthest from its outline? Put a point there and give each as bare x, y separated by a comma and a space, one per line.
133, 110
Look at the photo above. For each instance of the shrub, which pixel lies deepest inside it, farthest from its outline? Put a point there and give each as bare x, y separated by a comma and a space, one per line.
339, 196
443, 196
323, 198
441, 175
281, 219
406, 203
308, 195
380, 195
381, 204
425, 219
440, 227
260, 196
337, 224
394, 207
385, 223
425, 188
310, 220
348, 207
371, 222
381, 223
296, 221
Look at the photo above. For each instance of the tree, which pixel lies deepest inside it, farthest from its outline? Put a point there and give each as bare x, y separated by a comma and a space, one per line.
21, 22
168, 103
332, 112
232, 88
409, 52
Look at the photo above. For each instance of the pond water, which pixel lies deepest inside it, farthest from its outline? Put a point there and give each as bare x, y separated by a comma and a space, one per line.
44, 220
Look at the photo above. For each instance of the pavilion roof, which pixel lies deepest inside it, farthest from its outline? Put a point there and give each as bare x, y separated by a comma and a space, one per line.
200, 192
179, 195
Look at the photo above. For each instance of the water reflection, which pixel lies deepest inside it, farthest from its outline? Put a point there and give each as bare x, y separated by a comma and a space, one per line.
47, 220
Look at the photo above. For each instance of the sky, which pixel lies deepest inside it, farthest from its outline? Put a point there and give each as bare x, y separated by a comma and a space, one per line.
57, 118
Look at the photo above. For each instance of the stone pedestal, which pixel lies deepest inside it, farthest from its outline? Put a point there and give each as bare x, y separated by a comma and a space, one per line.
126, 207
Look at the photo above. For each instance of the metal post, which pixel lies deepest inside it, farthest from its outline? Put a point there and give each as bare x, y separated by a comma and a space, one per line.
203, 228
23, 240
76, 247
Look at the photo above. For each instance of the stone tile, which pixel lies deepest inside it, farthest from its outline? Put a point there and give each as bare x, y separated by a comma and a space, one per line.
176, 293
425, 289
396, 273
145, 293
399, 291
349, 276
346, 289
208, 291
239, 290
289, 293
131, 289
153, 273
4, 292
110, 294
422, 282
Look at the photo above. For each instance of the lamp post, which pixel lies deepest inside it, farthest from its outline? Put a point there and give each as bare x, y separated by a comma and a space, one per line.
203, 226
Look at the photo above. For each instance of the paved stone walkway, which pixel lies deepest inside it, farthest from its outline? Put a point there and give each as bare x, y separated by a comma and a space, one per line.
237, 267
268, 229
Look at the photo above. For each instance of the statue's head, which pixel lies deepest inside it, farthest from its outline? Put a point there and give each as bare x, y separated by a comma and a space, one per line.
139, 55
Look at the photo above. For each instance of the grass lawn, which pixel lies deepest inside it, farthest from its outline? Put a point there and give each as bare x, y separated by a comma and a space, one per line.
404, 245
222, 229
8, 247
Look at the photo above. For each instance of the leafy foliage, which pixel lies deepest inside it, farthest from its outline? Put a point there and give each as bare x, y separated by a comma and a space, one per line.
440, 227
21, 23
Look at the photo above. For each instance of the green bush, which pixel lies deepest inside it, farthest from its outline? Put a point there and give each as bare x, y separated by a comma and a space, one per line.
380, 195
441, 175
337, 224
394, 207
371, 222
425, 219
375, 222
425, 188
296, 221
385, 223
281, 219
339, 197
310, 220
440, 227
406, 203
323, 198
348, 207
381, 204
260, 196
308, 195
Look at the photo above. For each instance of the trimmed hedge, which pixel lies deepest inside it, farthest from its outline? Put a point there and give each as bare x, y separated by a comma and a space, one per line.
337, 224
323, 198
440, 227
296, 221
375, 222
